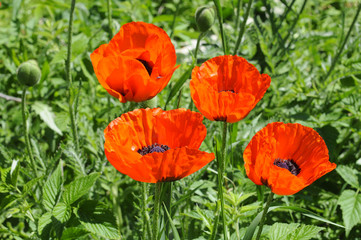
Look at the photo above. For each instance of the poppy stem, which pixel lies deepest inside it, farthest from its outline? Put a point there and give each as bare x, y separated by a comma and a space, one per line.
201, 35
26, 131
110, 24
265, 210
69, 79
220, 19
157, 197
146, 224
242, 28
221, 168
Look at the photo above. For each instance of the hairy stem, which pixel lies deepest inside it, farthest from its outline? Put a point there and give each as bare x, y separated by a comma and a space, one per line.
220, 19
221, 168
265, 210
26, 132
242, 28
157, 198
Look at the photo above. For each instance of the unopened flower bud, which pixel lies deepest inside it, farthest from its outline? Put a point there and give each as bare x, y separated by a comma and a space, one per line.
29, 73
205, 17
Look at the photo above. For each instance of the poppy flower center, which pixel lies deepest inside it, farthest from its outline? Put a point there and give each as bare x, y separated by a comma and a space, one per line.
290, 165
232, 91
153, 148
147, 66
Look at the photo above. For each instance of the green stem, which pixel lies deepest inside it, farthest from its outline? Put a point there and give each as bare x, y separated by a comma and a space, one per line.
343, 44
242, 28
265, 210
110, 25
221, 168
146, 223
168, 200
69, 79
174, 18
201, 35
220, 19
26, 132
157, 197
237, 13
70, 31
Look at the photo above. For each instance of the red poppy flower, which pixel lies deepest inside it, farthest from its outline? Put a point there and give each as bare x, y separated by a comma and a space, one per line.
137, 63
152, 145
227, 88
286, 157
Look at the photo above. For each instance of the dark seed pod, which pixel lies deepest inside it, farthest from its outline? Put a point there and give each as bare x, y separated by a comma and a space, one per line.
205, 17
29, 73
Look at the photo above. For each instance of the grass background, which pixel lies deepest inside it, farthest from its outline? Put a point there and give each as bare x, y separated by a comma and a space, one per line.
311, 50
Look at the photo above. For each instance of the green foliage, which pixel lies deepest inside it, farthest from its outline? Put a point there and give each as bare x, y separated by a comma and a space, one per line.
293, 231
350, 202
77, 188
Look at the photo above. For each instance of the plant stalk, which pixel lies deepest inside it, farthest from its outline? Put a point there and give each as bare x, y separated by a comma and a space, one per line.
26, 132
201, 35
157, 198
242, 28
265, 210
221, 168
69, 79
220, 19
146, 224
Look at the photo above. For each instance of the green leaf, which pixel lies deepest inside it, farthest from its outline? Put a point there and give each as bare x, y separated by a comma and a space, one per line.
174, 229
73, 233
305, 232
52, 188
179, 84
46, 114
44, 224
293, 231
62, 212
350, 203
79, 187
280, 231
97, 219
349, 175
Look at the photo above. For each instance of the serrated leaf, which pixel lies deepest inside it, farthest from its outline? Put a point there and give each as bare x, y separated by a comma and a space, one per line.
5, 175
73, 233
46, 114
97, 219
44, 224
280, 231
62, 212
52, 188
350, 203
79, 187
305, 232
349, 175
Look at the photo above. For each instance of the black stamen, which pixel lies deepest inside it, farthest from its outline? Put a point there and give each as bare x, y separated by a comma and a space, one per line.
146, 65
153, 148
232, 91
288, 164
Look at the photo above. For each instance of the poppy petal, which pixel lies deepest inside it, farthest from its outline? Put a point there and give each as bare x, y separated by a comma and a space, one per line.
124, 67
303, 145
180, 130
227, 88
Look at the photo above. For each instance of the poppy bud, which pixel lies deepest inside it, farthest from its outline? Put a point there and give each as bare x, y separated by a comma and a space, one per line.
205, 17
29, 73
